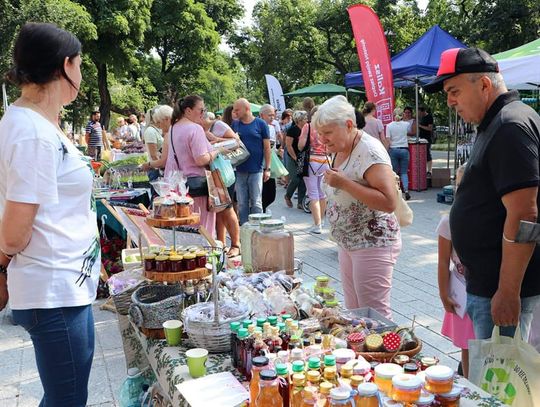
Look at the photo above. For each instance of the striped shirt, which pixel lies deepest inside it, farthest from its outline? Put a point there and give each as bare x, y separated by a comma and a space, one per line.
95, 131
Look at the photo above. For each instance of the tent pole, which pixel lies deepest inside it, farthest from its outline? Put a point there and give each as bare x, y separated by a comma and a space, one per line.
449, 137
456, 130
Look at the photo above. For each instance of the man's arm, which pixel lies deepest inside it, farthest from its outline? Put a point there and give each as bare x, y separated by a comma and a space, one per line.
506, 303
267, 159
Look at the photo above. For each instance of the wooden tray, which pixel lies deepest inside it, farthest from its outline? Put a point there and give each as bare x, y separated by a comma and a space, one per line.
161, 223
384, 357
196, 274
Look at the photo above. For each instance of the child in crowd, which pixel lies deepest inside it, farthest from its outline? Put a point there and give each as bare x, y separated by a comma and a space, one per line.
458, 329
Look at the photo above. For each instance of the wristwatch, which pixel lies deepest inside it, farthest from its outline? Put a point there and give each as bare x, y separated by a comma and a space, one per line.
267, 169
3, 269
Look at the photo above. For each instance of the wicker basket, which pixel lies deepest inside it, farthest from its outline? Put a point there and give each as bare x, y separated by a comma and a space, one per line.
154, 304
122, 300
384, 357
214, 336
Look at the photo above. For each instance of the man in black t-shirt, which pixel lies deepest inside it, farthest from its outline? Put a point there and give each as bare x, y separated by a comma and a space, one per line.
498, 190
425, 127
291, 144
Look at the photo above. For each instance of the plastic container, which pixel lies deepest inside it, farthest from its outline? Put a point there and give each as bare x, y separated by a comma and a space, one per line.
451, 398
259, 363
406, 388
269, 395
439, 379
425, 400
272, 248
384, 372
367, 395
131, 389
246, 231
340, 397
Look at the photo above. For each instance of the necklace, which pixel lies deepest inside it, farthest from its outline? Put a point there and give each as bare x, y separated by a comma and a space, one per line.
42, 112
350, 152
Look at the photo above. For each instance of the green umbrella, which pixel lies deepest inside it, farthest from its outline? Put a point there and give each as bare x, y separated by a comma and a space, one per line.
529, 49
255, 109
322, 89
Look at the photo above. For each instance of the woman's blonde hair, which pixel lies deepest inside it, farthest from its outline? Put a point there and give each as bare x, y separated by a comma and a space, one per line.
336, 110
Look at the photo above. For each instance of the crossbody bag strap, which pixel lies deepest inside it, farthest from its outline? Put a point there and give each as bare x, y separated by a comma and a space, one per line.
173, 149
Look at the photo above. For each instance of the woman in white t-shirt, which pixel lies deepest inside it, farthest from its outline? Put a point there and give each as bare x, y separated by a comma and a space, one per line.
398, 148
48, 230
153, 135
361, 198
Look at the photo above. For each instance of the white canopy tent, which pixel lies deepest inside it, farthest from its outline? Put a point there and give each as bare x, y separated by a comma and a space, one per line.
520, 67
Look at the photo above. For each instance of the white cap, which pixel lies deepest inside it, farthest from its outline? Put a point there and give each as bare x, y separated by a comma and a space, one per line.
340, 393
439, 373
367, 389
133, 371
406, 381
387, 370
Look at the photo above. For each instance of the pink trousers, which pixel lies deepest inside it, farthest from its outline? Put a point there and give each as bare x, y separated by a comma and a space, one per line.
366, 275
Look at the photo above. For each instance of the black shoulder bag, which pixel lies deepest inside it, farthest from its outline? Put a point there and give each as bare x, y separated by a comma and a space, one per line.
302, 159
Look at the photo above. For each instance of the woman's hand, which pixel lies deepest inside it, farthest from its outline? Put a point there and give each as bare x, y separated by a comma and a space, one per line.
335, 178
4, 296
449, 304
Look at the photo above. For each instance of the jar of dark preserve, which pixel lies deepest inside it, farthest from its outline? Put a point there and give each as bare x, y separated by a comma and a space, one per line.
190, 261
201, 258
176, 263
162, 264
150, 262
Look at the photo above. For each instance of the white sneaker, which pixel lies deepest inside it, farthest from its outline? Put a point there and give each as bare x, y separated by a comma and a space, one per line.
317, 229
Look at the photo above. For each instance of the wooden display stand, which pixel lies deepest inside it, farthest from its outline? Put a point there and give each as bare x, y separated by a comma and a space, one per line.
163, 223
196, 274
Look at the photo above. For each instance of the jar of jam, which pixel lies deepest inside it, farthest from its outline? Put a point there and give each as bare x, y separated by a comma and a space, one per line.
439, 379
162, 264
450, 399
190, 262
406, 388
355, 341
410, 368
150, 262
201, 258
176, 263
384, 373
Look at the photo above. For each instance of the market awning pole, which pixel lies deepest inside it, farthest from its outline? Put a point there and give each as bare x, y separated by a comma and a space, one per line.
449, 136
456, 164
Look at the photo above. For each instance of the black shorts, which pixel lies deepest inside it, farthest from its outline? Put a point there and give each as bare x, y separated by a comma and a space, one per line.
428, 153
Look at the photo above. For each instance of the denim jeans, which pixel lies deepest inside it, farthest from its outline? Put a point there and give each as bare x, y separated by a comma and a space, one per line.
479, 310
295, 182
249, 194
400, 165
63, 341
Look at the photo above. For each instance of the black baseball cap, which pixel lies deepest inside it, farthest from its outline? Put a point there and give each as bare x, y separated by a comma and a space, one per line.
456, 61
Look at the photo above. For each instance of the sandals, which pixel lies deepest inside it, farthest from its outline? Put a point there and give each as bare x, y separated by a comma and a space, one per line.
235, 251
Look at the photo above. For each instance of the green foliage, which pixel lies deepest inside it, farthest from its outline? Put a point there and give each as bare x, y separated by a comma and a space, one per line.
224, 13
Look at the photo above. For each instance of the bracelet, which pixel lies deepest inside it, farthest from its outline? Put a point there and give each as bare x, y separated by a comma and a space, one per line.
508, 240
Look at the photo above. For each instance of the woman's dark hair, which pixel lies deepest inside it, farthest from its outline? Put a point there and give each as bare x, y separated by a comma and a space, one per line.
227, 115
181, 106
39, 53
360, 120
368, 108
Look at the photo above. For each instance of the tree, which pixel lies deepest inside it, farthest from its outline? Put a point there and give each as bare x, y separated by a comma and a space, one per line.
224, 14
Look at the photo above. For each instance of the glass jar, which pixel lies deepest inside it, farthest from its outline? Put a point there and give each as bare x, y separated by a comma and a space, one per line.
329, 293
190, 263
269, 395
425, 400
439, 379
150, 262
246, 231
367, 395
162, 264
322, 281
176, 264
355, 341
451, 398
406, 388
428, 361
410, 368
401, 359
384, 372
201, 256
272, 248
340, 397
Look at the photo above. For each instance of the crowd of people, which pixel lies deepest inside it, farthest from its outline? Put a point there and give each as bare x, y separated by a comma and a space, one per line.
341, 159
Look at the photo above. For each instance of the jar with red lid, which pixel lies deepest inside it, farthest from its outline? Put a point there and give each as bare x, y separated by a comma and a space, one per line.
190, 262
201, 256
150, 262
355, 341
176, 263
162, 264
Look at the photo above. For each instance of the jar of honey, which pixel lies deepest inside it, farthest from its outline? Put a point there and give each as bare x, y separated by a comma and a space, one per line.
384, 373
425, 400
201, 258
150, 262
176, 263
162, 264
450, 399
406, 388
190, 262
428, 361
439, 379
367, 395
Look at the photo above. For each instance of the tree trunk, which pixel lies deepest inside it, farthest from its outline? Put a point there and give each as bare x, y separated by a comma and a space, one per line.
104, 95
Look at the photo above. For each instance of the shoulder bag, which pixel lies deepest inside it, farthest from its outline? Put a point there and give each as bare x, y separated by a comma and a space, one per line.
302, 159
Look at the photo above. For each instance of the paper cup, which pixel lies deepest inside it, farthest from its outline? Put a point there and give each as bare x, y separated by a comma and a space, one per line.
196, 361
173, 332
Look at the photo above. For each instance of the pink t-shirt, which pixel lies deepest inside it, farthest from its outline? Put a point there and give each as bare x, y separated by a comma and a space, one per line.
316, 147
189, 142
220, 128
374, 127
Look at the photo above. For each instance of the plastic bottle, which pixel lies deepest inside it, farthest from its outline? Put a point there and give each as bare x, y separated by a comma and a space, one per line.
330, 375
340, 397
314, 363
244, 353
309, 398
324, 394
235, 326
313, 378
268, 395
298, 366
246, 231
284, 382
131, 389
297, 391
259, 363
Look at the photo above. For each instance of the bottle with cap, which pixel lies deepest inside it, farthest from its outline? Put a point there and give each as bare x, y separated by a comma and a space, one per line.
284, 382
324, 394
276, 340
298, 366
330, 375
260, 363
268, 395
260, 322
346, 371
259, 347
329, 361
273, 320
368, 395
314, 363
340, 397
244, 352
297, 391
310, 396
297, 354
234, 343
246, 323
313, 378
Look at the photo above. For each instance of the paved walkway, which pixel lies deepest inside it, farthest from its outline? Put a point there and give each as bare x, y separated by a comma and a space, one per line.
414, 294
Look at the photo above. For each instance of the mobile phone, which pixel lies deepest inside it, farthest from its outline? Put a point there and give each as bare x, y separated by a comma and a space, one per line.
528, 232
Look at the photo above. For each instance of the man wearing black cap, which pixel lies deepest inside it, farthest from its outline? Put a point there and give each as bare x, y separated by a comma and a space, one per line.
499, 189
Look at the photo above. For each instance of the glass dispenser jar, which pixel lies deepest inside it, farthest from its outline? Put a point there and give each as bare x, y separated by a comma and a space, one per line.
246, 231
272, 248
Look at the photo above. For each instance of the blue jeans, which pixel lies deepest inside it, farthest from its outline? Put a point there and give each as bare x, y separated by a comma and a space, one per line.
249, 194
400, 164
63, 341
479, 310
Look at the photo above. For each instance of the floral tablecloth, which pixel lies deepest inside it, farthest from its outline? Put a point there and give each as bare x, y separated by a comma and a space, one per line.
169, 366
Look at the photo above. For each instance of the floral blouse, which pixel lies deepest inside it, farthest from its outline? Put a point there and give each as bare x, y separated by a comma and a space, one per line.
352, 224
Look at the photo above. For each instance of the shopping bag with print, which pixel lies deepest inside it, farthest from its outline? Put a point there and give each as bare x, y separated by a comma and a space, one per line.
508, 368
225, 169
218, 195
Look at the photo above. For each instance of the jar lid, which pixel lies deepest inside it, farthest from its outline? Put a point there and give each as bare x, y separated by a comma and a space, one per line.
361, 367
200, 253
329, 360
297, 353
428, 361
268, 375
331, 303
313, 375
339, 393
299, 379
242, 333
356, 337
273, 320
387, 370
281, 326
298, 366
456, 391
189, 256
260, 361
235, 326
357, 380
322, 279
406, 381
401, 359
426, 399
246, 323
281, 369
343, 355
367, 389
162, 258
314, 363
285, 317
271, 225
261, 321
176, 258
330, 372
150, 256
410, 367
439, 373
347, 370
325, 387
256, 218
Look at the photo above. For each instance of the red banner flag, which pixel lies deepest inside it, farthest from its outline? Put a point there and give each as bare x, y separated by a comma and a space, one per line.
374, 59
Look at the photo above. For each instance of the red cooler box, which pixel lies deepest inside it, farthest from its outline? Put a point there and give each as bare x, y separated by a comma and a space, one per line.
417, 166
